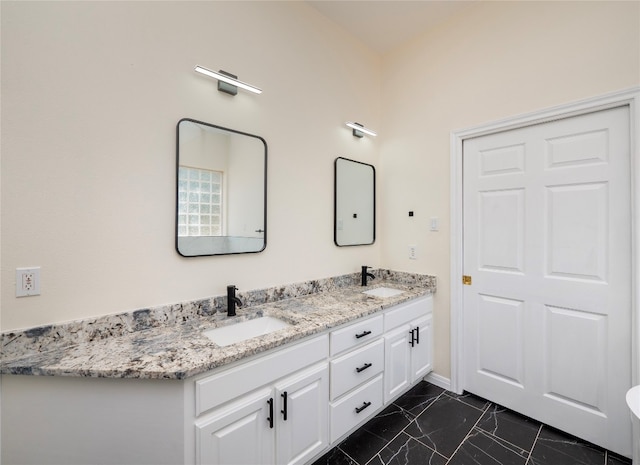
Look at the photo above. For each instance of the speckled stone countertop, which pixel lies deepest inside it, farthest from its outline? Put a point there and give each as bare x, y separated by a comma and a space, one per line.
168, 342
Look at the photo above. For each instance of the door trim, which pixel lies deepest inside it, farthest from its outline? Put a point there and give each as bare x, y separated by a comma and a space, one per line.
629, 97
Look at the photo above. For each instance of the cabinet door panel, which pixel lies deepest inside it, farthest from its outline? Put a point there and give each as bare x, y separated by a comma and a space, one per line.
397, 372
304, 433
238, 434
421, 352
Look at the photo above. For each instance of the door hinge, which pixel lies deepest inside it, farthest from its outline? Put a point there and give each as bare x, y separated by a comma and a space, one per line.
466, 280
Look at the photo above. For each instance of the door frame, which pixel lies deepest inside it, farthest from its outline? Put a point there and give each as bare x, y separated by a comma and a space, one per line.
629, 97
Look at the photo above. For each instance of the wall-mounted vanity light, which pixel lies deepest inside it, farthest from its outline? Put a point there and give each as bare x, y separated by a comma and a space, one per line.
359, 130
228, 82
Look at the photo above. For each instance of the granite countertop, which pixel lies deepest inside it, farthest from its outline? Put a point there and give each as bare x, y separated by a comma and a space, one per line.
178, 350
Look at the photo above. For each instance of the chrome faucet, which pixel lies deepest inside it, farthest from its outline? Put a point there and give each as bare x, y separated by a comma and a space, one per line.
366, 274
232, 300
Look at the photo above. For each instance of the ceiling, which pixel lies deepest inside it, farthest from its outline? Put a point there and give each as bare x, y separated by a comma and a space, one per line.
383, 25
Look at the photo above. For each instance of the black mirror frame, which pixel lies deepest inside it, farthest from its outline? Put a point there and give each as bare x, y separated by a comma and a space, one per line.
264, 246
335, 203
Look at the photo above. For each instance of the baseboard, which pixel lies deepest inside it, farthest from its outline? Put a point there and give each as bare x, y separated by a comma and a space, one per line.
438, 380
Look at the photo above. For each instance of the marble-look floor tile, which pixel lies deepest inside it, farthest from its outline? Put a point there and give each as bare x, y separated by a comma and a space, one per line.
470, 399
335, 457
554, 447
480, 448
514, 428
376, 433
388, 423
444, 424
404, 450
615, 459
362, 445
419, 398
467, 429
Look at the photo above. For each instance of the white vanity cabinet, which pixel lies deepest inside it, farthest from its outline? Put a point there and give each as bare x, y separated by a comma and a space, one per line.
408, 345
328, 385
284, 421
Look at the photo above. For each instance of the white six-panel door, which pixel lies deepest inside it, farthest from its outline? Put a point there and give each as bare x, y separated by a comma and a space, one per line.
547, 242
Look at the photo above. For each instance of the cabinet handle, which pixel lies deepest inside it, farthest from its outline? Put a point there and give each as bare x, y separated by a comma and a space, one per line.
417, 334
363, 367
270, 418
363, 334
413, 338
364, 406
284, 410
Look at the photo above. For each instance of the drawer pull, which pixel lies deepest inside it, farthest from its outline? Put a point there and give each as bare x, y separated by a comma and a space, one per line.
363, 367
270, 418
284, 402
364, 406
363, 334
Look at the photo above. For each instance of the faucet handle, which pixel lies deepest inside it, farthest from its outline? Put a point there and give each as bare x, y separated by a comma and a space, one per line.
365, 274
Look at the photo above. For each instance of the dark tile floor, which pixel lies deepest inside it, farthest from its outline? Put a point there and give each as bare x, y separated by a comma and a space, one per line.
431, 426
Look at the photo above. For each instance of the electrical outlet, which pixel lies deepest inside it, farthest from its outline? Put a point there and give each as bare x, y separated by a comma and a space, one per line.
413, 252
27, 281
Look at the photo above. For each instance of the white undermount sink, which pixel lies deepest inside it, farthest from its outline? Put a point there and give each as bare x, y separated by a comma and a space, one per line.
237, 332
383, 292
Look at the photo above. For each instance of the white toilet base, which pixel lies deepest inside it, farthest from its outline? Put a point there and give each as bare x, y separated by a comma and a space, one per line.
633, 401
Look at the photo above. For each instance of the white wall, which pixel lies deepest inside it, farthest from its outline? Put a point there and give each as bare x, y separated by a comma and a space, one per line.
492, 61
91, 95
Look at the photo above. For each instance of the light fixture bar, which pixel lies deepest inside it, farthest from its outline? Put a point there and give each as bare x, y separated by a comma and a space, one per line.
357, 127
228, 80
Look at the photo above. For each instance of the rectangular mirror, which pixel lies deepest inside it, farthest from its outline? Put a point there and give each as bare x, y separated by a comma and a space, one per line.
354, 203
221, 190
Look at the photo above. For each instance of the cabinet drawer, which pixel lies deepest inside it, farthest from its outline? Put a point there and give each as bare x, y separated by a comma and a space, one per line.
407, 312
355, 334
356, 407
356, 367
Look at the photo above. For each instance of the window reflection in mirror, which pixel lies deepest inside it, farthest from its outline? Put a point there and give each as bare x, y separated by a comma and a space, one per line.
221, 190
354, 203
